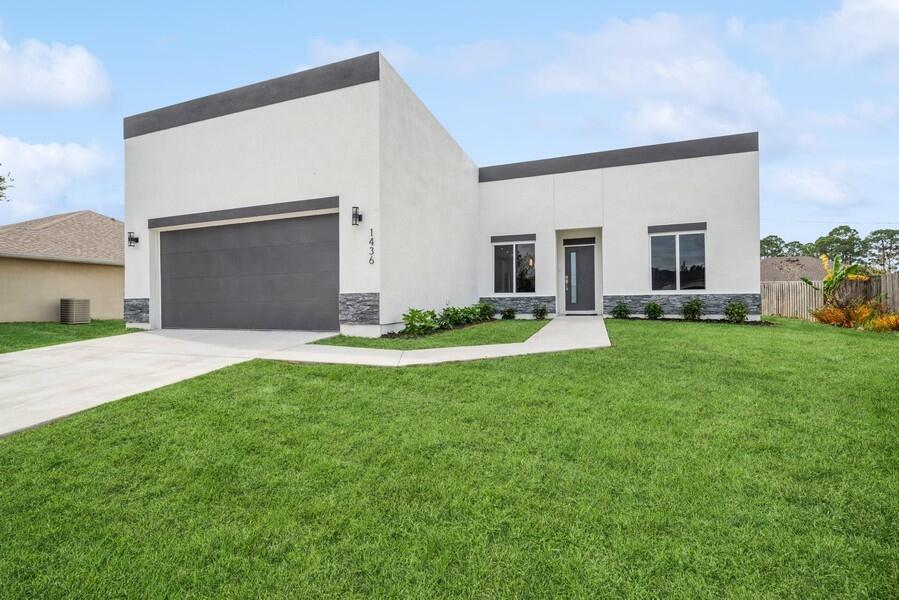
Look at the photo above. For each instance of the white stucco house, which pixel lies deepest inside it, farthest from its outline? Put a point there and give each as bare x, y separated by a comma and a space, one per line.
333, 199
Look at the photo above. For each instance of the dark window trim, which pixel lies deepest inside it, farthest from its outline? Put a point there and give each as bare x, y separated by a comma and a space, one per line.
712, 146
524, 237
677, 227
245, 212
579, 241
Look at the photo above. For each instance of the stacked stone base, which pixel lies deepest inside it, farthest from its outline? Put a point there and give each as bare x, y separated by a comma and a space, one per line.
523, 305
137, 310
673, 303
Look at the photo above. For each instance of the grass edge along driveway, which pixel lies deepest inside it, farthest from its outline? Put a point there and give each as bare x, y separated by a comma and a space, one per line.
509, 331
27, 335
687, 460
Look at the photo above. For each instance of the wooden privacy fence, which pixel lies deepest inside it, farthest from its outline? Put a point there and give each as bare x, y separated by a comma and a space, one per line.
796, 299
790, 299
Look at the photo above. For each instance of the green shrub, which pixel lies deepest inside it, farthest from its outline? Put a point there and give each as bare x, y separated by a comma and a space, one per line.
450, 317
653, 310
692, 309
508, 313
472, 314
735, 311
621, 311
539, 312
420, 322
486, 311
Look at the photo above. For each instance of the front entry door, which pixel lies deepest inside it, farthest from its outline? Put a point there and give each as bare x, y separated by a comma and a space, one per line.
580, 291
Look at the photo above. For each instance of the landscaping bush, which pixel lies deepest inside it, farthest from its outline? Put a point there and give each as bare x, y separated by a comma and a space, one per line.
450, 317
621, 311
693, 309
508, 313
869, 315
735, 311
884, 323
420, 322
653, 310
539, 312
471, 314
486, 311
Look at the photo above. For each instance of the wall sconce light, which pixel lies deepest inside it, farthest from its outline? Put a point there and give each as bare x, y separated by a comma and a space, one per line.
357, 216
132, 239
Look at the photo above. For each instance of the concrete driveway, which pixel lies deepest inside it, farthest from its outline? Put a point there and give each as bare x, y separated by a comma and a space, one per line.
44, 384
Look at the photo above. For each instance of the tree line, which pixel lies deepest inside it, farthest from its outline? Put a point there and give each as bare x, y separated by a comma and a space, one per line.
878, 251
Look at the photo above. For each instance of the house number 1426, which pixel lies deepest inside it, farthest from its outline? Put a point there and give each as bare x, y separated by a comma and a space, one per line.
371, 246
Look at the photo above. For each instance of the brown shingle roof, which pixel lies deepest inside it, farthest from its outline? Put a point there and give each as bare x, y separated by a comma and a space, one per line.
791, 268
82, 236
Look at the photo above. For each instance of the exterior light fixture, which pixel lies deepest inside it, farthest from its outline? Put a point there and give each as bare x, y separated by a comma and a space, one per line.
132, 239
357, 216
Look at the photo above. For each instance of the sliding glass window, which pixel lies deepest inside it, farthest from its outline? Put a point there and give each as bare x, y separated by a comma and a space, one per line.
514, 268
678, 261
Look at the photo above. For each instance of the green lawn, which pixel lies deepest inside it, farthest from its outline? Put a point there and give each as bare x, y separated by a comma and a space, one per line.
494, 332
21, 336
688, 460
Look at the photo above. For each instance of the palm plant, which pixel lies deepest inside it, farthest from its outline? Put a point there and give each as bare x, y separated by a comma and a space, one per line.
835, 276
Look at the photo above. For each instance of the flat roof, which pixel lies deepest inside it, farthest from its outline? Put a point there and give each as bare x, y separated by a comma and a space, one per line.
335, 76
711, 146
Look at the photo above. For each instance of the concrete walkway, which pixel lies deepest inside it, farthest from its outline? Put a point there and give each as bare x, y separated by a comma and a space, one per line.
45, 384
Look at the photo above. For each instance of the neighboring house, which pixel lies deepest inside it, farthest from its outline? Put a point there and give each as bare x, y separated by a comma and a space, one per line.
791, 268
332, 198
72, 255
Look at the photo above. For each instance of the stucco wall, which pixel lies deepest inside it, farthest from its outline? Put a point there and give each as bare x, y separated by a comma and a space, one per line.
312, 147
30, 289
427, 242
719, 190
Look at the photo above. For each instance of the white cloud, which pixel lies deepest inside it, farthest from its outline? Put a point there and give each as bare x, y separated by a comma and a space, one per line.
671, 69
462, 59
812, 186
45, 174
322, 51
35, 74
860, 33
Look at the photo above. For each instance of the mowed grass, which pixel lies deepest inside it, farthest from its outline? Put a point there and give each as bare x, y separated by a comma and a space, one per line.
494, 332
688, 460
21, 336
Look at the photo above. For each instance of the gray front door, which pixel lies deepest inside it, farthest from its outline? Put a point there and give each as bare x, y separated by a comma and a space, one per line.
280, 274
580, 292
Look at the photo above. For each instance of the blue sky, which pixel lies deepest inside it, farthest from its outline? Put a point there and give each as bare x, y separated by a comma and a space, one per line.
511, 81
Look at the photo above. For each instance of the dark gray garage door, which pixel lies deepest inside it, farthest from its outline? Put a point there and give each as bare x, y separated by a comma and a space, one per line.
280, 274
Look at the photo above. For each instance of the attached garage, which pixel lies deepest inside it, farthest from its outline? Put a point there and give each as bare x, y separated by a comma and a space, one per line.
275, 274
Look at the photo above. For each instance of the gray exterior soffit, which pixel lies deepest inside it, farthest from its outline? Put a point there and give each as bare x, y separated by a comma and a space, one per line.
713, 146
525, 237
579, 241
677, 227
346, 73
245, 212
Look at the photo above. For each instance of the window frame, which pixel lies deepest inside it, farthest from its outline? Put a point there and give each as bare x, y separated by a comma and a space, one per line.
676, 235
514, 245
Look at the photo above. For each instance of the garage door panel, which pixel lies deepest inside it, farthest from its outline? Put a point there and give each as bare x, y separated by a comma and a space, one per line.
279, 274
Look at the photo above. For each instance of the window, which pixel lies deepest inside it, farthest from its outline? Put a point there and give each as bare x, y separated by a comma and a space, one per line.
513, 268
678, 261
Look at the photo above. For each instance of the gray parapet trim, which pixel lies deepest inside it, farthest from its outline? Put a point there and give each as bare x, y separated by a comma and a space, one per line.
327, 78
246, 212
359, 308
673, 303
713, 146
522, 304
137, 310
